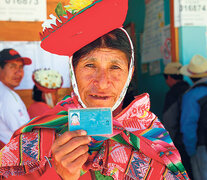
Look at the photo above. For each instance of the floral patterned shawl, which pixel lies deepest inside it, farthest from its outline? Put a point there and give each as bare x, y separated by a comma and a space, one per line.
140, 147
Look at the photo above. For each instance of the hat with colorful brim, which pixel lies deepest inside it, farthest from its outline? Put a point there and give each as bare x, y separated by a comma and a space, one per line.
197, 68
47, 80
79, 26
11, 54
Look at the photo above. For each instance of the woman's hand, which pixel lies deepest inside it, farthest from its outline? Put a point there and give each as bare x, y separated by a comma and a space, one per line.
70, 152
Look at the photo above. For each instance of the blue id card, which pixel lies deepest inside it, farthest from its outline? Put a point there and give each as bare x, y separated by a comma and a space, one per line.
95, 121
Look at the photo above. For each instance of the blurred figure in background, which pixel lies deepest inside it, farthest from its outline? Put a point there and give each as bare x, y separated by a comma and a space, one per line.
193, 120
175, 81
172, 109
13, 112
45, 91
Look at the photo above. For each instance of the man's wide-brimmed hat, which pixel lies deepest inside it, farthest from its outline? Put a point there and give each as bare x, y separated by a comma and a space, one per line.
11, 54
173, 68
197, 68
71, 31
47, 80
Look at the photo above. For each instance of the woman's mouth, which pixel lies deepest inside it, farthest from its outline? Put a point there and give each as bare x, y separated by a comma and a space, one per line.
99, 100
100, 97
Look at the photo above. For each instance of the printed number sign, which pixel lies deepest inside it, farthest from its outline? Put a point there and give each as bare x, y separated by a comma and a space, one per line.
23, 10
190, 12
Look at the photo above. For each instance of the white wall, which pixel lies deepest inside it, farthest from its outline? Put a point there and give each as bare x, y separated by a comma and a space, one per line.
40, 59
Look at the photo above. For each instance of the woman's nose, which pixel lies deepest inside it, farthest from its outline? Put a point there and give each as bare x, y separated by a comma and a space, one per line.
102, 79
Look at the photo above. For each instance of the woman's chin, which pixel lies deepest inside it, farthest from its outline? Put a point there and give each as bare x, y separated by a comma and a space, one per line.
91, 102
100, 104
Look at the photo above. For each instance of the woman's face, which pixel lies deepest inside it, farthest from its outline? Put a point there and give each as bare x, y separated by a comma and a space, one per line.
101, 76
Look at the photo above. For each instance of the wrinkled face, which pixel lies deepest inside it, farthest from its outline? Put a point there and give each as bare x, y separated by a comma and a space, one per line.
12, 73
101, 76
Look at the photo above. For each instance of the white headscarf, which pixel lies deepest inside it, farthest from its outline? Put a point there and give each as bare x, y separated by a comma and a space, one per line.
124, 90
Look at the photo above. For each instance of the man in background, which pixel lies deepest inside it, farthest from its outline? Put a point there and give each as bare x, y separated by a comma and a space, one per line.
175, 81
193, 120
13, 112
172, 109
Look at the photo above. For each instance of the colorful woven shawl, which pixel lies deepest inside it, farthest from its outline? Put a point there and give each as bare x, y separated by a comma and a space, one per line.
138, 134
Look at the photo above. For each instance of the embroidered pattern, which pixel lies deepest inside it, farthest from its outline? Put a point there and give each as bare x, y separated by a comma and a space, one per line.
168, 175
9, 153
119, 153
30, 147
139, 166
113, 157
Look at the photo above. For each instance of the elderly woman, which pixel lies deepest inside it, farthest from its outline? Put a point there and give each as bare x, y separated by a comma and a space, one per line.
101, 67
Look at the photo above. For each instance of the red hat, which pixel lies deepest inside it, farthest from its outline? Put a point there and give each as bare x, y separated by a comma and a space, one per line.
76, 31
47, 80
11, 54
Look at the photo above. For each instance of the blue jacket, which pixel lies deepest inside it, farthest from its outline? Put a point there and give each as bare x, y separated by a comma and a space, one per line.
190, 113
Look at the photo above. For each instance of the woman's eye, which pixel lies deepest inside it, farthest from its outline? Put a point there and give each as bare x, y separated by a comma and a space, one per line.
90, 65
115, 67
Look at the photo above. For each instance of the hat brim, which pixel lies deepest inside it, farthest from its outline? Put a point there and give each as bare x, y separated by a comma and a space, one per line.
44, 89
26, 61
184, 71
80, 30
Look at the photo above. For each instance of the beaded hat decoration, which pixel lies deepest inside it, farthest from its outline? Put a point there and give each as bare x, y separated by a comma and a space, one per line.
47, 80
81, 22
